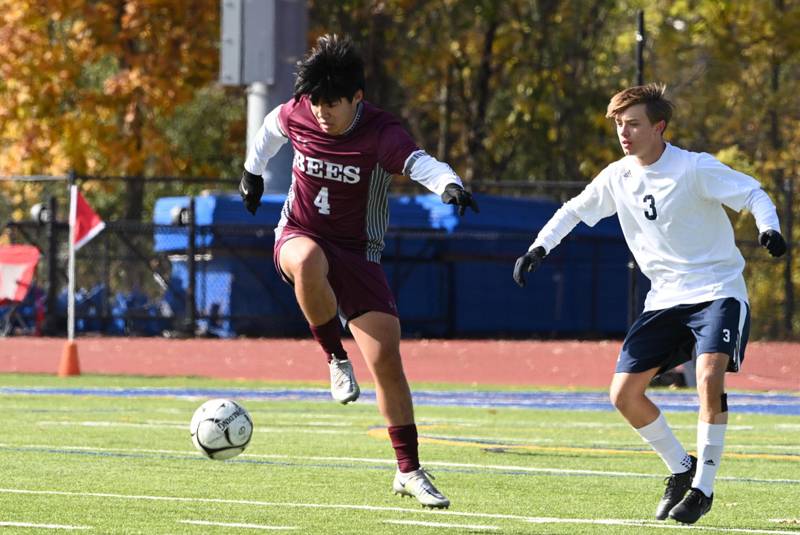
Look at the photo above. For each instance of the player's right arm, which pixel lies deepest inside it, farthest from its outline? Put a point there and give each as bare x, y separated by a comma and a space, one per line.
268, 141
594, 203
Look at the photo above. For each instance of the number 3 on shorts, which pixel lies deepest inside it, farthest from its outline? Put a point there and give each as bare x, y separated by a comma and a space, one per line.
321, 202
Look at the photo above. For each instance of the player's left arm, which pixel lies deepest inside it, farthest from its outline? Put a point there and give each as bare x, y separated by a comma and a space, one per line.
715, 180
439, 178
399, 154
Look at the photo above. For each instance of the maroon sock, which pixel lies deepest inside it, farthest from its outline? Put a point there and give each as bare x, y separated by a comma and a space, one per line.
329, 336
404, 442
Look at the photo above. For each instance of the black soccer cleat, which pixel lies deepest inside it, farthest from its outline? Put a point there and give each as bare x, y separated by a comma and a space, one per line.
677, 486
694, 505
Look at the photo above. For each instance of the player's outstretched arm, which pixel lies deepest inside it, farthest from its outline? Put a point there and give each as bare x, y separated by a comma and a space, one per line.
594, 203
439, 178
455, 194
772, 241
528, 262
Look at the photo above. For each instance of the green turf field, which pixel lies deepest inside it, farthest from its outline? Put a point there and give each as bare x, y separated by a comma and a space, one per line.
126, 465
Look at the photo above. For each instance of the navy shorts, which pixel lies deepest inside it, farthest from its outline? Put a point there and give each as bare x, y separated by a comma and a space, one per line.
360, 286
665, 338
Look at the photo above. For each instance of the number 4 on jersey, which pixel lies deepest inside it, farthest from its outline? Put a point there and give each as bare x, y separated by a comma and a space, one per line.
322, 203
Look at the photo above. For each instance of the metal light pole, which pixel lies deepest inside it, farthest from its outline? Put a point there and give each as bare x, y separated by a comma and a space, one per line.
633, 269
261, 42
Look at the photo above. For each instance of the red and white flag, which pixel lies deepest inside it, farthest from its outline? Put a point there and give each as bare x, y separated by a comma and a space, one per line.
17, 266
86, 221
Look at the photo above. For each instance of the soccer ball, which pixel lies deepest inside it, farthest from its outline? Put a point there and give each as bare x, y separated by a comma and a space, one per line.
221, 429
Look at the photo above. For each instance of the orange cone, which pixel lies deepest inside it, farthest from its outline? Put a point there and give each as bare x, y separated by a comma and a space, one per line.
69, 360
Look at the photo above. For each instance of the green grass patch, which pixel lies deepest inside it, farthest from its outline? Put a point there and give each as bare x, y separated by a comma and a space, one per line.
126, 465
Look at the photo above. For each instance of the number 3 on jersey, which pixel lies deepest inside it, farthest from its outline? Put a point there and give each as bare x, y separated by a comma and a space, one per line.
650, 213
322, 203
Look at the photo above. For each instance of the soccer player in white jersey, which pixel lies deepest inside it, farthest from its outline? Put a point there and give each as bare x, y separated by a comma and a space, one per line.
670, 206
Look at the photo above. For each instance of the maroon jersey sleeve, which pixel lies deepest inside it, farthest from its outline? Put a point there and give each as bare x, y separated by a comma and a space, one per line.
394, 147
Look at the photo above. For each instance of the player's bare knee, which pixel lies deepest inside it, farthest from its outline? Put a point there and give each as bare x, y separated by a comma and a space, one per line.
711, 381
387, 364
300, 255
622, 399
305, 268
308, 271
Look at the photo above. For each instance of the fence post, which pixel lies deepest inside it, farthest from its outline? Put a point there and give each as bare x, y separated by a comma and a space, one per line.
191, 309
51, 322
788, 312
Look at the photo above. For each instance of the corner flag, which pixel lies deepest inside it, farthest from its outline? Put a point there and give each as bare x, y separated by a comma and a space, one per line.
84, 224
87, 223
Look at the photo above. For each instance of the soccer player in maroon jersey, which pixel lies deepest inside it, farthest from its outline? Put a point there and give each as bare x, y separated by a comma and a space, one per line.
329, 239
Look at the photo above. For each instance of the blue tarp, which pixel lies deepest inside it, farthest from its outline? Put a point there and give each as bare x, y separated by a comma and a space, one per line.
457, 286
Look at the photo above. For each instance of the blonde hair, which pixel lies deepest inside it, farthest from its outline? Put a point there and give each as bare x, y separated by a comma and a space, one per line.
657, 106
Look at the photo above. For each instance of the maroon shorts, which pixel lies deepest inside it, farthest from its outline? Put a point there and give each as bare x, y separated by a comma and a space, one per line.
360, 286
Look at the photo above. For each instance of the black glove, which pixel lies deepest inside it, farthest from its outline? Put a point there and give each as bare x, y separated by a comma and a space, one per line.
455, 194
251, 188
773, 242
530, 261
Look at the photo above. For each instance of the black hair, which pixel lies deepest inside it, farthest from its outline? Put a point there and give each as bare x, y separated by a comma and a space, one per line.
332, 70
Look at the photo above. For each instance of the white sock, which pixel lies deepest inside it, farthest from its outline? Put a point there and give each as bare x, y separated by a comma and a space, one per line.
710, 440
661, 438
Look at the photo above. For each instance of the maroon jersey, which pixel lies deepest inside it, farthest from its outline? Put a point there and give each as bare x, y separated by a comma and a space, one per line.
340, 183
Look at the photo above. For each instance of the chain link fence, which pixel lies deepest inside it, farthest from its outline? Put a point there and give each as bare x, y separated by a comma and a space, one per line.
183, 279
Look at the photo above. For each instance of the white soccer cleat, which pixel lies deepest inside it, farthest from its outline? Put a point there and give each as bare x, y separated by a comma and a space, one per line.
418, 485
344, 387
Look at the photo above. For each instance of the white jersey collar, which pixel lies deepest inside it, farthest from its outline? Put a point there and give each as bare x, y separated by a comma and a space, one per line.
633, 161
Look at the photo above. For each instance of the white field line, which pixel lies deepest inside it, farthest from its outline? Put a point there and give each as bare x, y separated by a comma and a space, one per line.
789, 448
91, 448
172, 424
475, 527
97, 423
459, 422
474, 422
388, 462
168, 423
416, 511
185, 427
237, 525
40, 526
289, 429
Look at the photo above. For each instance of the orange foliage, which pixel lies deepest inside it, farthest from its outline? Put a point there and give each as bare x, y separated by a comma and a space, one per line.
83, 83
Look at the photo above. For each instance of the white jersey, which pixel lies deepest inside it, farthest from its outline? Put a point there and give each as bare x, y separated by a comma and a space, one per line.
673, 221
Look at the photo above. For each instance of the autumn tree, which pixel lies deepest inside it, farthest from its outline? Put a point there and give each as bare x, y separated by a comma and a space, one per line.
107, 88
733, 67
516, 91
511, 91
